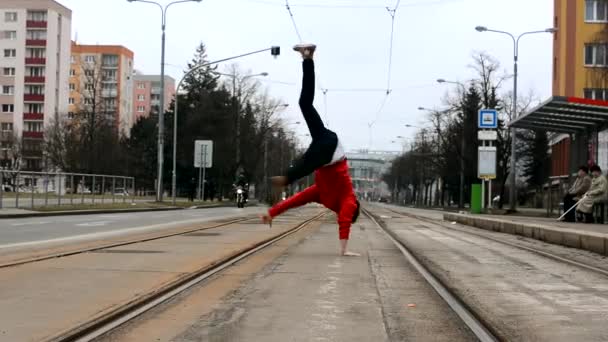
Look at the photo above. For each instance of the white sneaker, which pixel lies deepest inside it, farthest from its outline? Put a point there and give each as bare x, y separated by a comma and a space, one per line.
307, 50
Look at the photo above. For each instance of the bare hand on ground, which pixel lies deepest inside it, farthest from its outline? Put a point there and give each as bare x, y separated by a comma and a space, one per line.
267, 219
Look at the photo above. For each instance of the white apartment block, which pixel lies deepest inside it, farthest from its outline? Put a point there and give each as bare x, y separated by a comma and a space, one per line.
34, 72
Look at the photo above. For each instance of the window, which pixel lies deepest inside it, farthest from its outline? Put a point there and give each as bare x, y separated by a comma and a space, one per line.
596, 94
596, 10
34, 89
72, 87
7, 126
108, 86
109, 60
9, 35
36, 34
72, 72
8, 53
141, 97
8, 72
71, 101
35, 52
88, 101
8, 108
10, 17
141, 86
8, 90
36, 108
595, 55
89, 59
32, 126
71, 115
35, 71
72, 59
36, 15
89, 73
141, 109
89, 87
109, 75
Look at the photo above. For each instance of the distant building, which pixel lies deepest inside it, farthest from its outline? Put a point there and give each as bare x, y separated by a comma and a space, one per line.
101, 80
34, 66
367, 169
146, 96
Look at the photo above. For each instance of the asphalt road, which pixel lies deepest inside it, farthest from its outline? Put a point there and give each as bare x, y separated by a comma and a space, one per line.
16, 233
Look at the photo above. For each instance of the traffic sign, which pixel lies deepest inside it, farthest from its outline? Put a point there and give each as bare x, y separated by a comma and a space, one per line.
487, 135
487, 162
203, 151
488, 118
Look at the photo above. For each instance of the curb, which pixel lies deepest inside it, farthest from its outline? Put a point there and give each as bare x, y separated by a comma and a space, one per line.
107, 211
589, 241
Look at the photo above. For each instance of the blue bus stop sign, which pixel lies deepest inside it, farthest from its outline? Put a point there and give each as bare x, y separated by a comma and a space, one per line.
488, 119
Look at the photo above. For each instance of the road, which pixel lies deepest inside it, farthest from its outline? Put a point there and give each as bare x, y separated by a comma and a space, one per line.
300, 289
25, 232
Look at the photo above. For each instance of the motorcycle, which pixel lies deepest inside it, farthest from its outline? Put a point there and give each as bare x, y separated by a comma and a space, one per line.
240, 197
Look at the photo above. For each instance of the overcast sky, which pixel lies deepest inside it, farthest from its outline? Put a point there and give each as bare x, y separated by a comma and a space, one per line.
433, 39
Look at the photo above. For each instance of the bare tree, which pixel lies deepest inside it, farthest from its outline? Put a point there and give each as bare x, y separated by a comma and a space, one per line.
12, 157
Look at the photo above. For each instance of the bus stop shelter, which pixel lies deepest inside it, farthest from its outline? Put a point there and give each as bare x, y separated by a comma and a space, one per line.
571, 115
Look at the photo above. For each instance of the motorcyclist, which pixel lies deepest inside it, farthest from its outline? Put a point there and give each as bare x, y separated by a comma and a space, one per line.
242, 182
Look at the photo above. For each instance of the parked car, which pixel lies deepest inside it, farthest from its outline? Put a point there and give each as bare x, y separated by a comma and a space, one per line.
120, 192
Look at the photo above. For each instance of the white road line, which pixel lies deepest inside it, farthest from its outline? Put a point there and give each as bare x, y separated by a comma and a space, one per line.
30, 223
93, 224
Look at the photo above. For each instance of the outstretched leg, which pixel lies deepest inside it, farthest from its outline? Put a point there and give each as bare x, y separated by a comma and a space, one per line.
307, 96
324, 142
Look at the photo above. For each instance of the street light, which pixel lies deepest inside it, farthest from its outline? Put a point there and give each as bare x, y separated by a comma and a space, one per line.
512, 193
161, 111
237, 98
463, 145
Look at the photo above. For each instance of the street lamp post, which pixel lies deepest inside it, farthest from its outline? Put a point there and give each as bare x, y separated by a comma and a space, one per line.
513, 192
161, 111
275, 50
463, 146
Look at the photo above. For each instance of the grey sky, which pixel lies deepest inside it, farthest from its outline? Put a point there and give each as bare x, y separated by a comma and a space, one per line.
433, 39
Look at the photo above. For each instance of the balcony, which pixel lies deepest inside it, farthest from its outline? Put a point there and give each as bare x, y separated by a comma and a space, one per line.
155, 90
109, 65
109, 93
33, 97
33, 135
33, 116
35, 61
35, 42
36, 24
35, 79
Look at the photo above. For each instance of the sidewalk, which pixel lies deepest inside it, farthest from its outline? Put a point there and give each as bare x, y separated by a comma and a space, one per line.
590, 237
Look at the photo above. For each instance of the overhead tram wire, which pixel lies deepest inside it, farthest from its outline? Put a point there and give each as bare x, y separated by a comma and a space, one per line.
293, 20
354, 6
392, 12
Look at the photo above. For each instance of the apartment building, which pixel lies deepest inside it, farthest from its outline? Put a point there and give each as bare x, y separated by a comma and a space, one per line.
147, 94
580, 70
34, 66
101, 81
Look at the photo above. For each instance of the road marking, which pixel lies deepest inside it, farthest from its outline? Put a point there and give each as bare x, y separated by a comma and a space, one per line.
93, 224
30, 223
